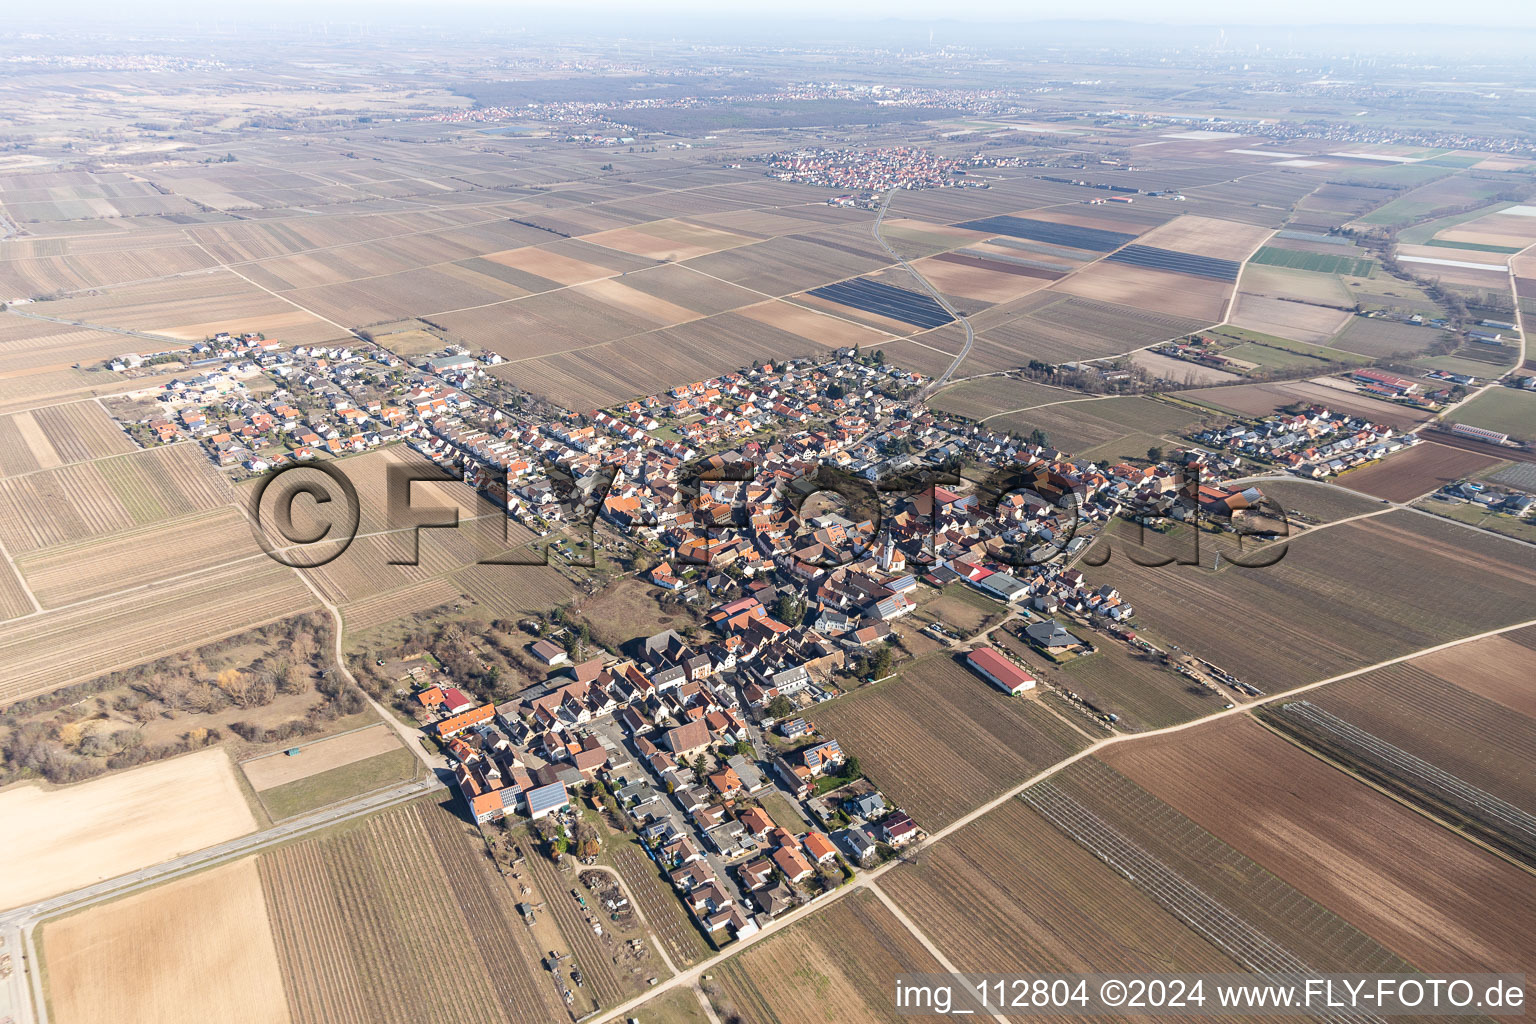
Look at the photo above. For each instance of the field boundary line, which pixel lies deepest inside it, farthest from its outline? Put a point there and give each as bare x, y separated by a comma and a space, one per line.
917, 933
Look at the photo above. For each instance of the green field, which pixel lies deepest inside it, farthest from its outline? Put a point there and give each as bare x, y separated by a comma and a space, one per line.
1420, 234
1476, 515
1274, 352
1320, 263
1474, 246
1461, 364
1424, 201
1454, 159
329, 787
1503, 409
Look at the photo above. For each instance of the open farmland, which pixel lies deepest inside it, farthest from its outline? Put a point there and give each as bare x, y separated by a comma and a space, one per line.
1233, 901
197, 949
60, 841
1076, 913
53, 649
66, 573
938, 740
1472, 810
988, 396
1059, 328
1417, 471
1314, 501
1469, 710
1140, 688
1326, 601
1445, 194
1074, 236
1092, 423
193, 308
600, 375
1296, 321
1155, 290
398, 918
1206, 237
277, 769
90, 499
1318, 263
1434, 899
1374, 337
51, 436
837, 966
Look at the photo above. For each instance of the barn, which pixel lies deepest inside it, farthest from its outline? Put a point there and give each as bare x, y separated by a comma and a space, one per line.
999, 671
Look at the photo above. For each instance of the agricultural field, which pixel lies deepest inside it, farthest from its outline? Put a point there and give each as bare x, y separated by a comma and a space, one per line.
1446, 193
398, 917
1138, 687
56, 648
1306, 502
1507, 227
388, 606
1054, 328
1409, 474
675, 1006
970, 275
334, 785
938, 740
192, 308
1506, 410
1076, 913
1184, 860
196, 949
91, 499
1431, 897
1370, 336
1319, 263
66, 573
1079, 426
1325, 602
1263, 399
1206, 237
60, 840
1296, 321
985, 397
51, 436
669, 923
838, 965
278, 770
1154, 290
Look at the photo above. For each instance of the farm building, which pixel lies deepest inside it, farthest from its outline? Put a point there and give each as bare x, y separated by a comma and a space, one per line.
545, 800
1479, 433
999, 671
548, 653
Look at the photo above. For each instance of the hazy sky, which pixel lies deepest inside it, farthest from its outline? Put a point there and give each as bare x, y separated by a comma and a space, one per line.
1494, 13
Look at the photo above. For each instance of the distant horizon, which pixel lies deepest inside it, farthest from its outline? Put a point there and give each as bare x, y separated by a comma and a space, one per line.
1406, 15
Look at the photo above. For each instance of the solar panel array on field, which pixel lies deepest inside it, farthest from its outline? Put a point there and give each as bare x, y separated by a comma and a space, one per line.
1093, 239
896, 303
1178, 262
